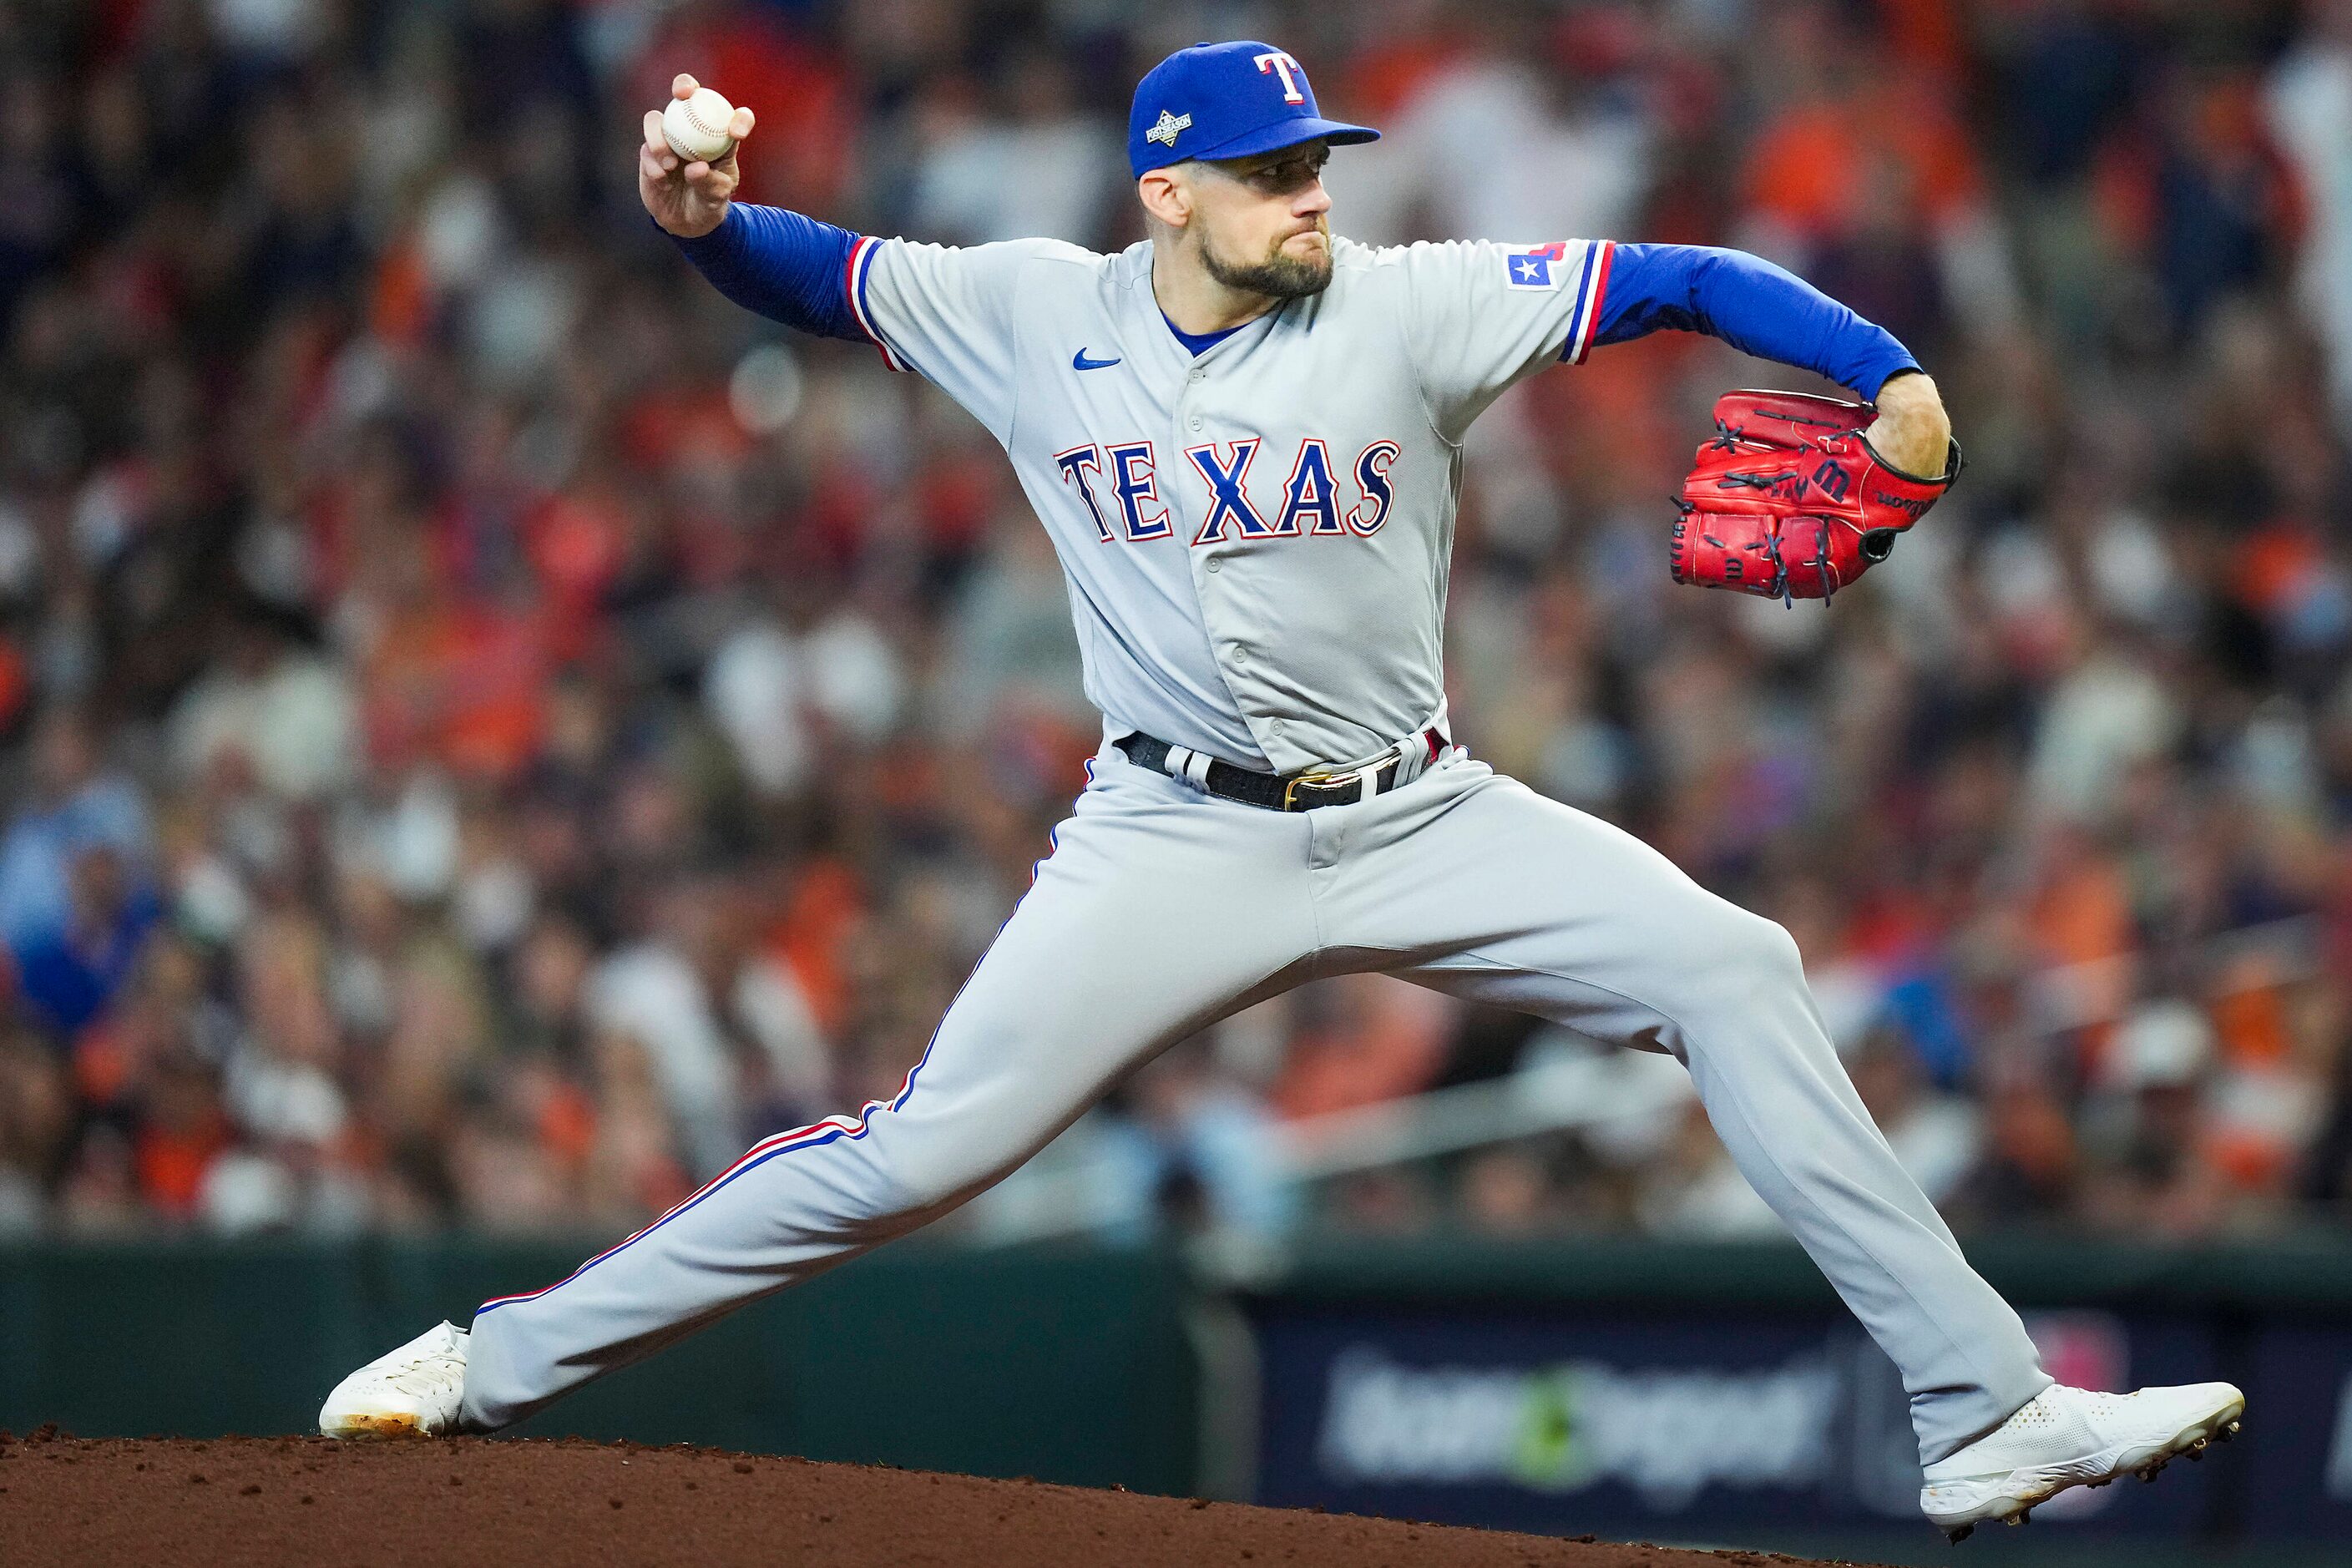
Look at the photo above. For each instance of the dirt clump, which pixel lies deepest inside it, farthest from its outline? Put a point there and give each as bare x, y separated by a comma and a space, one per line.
256, 1503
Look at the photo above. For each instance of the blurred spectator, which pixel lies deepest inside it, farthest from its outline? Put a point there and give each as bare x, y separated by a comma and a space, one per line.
1036, 166
36, 1117
1357, 1039
72, 805
681, 992
1510, 134
1506, 1192
1215, 1141
2029, 1170
287, 716
69, 977
2158, 1177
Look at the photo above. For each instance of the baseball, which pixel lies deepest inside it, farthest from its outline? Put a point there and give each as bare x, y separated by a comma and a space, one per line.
696, 127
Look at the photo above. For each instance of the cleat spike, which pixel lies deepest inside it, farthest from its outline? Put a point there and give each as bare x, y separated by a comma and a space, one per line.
2227, 1433
1957, 1536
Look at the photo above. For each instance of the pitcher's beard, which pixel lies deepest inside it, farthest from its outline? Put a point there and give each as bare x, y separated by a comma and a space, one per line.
1278, 277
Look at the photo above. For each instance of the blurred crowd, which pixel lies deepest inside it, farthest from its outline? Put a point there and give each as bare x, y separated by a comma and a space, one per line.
486, 729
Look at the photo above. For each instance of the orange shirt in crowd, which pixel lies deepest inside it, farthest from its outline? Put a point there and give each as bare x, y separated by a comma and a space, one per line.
1809, 168
460, 684
172, 1163
1389, 1040
827, 902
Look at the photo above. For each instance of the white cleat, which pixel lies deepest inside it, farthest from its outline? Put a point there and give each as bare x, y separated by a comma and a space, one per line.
2072, 1437
415, 1391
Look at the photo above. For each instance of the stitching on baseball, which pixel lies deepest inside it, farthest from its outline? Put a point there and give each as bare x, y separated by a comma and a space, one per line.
696, 120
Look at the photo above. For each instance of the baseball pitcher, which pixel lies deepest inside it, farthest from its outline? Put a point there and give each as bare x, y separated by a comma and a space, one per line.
1245, 435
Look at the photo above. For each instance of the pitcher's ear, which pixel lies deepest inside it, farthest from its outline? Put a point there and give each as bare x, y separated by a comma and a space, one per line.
1165, 195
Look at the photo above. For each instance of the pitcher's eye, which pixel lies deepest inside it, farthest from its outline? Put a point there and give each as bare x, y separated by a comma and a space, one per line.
1288, 175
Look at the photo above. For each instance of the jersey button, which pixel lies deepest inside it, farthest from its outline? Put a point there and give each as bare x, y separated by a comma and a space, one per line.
1215, 562
1196, 422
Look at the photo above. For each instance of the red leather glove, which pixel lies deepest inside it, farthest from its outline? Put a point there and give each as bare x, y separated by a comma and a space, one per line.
1789, 502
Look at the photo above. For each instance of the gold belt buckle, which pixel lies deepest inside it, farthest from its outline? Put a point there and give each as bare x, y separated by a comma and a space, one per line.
1320, 781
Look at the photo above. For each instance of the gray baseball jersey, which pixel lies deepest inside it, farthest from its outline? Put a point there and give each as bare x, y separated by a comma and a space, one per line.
1255, 540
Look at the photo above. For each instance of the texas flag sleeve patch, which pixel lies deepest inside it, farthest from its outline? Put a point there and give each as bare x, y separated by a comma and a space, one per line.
1536, 267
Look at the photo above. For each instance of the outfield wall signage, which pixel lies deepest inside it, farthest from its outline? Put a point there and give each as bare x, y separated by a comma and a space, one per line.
1662, 1423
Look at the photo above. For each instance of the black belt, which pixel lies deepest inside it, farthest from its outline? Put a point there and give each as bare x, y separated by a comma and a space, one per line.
1274, 792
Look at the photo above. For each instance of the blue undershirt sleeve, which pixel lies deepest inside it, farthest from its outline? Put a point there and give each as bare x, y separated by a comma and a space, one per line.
1754, 306
783, 266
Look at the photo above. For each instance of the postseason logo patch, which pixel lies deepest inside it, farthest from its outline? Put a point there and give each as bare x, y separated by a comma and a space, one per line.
1539, 268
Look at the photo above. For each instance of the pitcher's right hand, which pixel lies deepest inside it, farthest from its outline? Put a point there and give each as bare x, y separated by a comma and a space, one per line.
688, 199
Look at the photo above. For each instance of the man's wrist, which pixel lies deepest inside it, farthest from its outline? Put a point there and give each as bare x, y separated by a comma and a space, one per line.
1913, 397
1903, 381
1912, 432
697, 240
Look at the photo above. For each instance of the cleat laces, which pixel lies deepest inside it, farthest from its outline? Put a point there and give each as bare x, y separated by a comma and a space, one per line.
422, 1374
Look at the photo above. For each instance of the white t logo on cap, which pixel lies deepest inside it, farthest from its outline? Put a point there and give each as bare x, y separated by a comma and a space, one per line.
1282, 65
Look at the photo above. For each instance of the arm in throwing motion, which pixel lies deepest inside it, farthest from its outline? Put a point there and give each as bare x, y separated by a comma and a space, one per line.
944, 312
775, 263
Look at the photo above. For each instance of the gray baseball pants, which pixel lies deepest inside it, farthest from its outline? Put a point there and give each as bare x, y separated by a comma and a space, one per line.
1162, 910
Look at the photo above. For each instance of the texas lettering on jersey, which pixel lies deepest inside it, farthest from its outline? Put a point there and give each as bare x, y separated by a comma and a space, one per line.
1185, 491
1311, 504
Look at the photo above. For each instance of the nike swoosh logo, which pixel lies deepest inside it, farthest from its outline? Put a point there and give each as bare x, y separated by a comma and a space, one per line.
1079, 361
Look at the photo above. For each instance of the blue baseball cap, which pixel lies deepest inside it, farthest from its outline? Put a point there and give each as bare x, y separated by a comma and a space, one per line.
1226, 100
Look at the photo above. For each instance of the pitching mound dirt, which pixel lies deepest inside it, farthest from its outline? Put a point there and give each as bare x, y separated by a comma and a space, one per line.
256, 1503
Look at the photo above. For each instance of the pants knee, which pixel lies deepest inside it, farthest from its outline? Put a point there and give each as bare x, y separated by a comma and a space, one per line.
1751, 954
921, 1180
1740, 986
1774, 950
